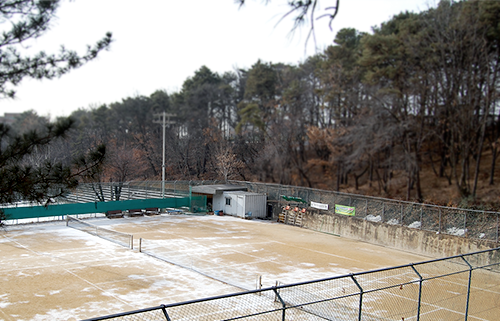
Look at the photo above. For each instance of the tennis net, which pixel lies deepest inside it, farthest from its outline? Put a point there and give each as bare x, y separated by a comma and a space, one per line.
110, 235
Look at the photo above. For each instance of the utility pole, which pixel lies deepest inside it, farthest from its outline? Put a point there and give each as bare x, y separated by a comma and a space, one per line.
163, 119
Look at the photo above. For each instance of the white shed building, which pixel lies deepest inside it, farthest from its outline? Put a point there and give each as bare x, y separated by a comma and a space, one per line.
242, 204
215, 201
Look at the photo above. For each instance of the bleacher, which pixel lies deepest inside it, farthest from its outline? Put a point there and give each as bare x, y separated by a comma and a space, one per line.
85, 193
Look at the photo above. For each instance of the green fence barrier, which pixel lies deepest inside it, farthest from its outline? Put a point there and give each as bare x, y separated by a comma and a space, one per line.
14, 213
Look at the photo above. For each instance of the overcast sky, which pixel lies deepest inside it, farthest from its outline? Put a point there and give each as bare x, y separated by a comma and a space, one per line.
159, 43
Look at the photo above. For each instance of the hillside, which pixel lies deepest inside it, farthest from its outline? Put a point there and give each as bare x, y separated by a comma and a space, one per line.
436, 190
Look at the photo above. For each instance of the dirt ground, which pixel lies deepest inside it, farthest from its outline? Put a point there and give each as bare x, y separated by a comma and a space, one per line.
52, 272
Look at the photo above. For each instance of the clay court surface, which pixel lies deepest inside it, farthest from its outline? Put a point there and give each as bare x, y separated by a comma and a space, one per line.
52, 272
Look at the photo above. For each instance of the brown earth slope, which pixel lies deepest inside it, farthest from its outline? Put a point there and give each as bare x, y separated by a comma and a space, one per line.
435, 189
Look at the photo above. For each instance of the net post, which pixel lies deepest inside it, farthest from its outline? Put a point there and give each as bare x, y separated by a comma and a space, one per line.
131, 242
258, 284
497, 227
67, 220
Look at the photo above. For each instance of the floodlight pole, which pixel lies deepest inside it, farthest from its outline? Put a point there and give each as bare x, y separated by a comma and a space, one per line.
163, 162
164, 123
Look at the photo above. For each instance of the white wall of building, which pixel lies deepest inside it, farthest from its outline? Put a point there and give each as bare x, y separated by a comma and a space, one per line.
240, 204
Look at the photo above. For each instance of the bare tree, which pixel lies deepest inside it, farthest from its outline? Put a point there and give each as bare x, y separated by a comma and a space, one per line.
307, 11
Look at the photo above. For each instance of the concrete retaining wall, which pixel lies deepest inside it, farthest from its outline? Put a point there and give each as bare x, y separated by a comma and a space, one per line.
395, 236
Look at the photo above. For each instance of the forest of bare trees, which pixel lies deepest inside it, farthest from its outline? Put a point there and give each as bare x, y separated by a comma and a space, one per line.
419, 93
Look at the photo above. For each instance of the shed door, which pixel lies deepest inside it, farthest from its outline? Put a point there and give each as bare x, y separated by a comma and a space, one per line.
240, 209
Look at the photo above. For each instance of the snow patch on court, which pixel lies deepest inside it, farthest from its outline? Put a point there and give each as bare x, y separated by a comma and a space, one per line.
152, 281
22, 274
4, 301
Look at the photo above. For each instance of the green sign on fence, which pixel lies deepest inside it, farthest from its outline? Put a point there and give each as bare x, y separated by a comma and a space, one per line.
345, 210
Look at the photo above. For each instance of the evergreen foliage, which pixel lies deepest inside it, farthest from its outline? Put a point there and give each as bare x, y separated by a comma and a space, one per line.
373, 109
22, 178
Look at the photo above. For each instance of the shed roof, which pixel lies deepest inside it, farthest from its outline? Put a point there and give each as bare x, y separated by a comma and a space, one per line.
213, 189
244, 193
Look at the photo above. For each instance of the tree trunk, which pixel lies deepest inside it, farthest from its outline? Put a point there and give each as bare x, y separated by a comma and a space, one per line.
493, 161
478, 161
408, 186
338, 177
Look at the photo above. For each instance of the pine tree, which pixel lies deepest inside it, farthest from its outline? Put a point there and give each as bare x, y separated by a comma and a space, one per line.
20, 179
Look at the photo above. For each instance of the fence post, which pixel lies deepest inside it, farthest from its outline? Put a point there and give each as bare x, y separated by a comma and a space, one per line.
165, 312
439, 221
419, 291
366, 209
421, 217
140, 244
465, 223
360, 296
401, 214
468, 288
131, 241
283, 314
279, 195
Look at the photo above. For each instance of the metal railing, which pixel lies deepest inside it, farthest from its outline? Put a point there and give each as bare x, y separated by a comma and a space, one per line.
484, 225
453, 288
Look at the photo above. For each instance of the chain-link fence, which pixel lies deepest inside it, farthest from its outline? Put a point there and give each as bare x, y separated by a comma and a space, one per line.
484, 225
453, 288
440, 219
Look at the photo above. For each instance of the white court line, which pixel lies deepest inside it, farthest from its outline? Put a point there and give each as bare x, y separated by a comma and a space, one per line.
7, 316
178, 254
460, 313
48, 266
433, 305
70, 272
472, 287
101, 289
329, 254
45, 254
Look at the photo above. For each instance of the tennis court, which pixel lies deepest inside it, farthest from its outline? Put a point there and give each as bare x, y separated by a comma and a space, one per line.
52, 272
